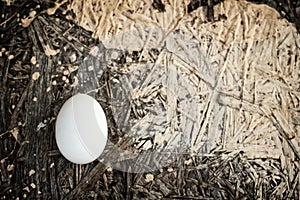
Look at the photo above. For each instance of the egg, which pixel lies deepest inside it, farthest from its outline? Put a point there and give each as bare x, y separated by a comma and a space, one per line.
81, 129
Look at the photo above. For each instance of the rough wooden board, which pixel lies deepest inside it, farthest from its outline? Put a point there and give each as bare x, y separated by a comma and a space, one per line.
225, 173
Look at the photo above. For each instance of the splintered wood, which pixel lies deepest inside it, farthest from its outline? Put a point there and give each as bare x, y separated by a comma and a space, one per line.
231, 84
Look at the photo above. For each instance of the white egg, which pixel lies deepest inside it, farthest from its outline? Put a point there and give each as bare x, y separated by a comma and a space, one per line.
81, 129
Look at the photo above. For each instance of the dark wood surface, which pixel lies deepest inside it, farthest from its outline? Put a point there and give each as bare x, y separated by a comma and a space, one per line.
30, 163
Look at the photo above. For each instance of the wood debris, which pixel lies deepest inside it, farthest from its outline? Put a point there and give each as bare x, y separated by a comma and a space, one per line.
35, 76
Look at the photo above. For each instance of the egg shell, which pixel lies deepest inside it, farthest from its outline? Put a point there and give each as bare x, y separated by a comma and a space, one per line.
81, 129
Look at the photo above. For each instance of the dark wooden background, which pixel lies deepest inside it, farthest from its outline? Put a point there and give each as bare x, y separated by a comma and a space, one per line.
30, 163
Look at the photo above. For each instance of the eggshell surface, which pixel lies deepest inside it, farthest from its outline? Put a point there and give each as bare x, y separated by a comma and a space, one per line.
81, 129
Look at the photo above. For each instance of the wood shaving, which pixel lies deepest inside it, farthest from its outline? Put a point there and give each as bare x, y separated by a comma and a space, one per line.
72, 57
66, 72
26, 189
9, 2
33, 60
54, 83
49, 51
10, 167
33, 185
52, 165
35, 76
149, 178
31, 172
51, 11
27, 21
15, 133
10, 57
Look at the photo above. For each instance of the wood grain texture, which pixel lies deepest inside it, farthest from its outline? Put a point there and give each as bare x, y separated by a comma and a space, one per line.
215, 82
